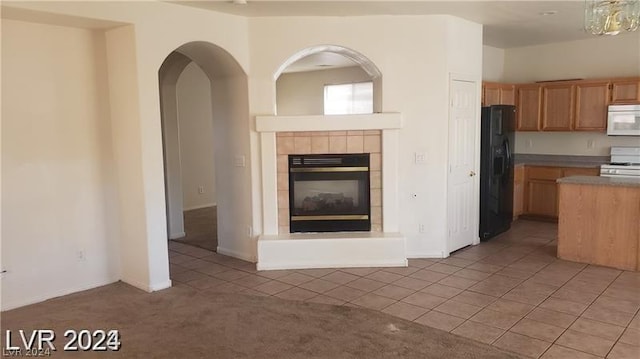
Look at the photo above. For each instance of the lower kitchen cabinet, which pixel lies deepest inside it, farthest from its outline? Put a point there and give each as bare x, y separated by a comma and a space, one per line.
538, 196
518, 191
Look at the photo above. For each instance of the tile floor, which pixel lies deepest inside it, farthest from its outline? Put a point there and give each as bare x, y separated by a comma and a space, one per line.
511, 292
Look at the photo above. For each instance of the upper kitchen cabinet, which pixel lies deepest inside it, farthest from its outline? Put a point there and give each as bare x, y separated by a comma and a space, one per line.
558, 106
497, 94
592, 99
528, 106
625, 91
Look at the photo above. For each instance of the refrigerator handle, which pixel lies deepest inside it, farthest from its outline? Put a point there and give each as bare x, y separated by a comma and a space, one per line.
507, 150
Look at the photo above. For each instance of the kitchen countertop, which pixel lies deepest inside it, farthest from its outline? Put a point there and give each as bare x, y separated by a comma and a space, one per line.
601, 181
560, 160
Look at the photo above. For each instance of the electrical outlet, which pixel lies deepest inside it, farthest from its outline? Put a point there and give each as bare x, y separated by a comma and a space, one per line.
80, 255
529, 143
201, 189
421, 228
591, 143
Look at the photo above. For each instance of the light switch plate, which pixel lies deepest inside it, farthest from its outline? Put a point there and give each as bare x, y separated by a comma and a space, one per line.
239, 161
420, 158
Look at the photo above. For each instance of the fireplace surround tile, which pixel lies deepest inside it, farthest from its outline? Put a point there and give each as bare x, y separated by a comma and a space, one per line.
355, 143
301, 144
376, 162
372, 144
320, 144
337, 144
375, 179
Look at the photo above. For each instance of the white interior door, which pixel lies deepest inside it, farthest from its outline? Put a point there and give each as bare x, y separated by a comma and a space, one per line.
462, 181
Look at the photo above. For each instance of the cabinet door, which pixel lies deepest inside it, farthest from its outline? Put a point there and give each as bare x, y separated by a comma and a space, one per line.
592, 99
528, 107
507, 95
542, 198
518, 191
558, 104
625, 91
491, 95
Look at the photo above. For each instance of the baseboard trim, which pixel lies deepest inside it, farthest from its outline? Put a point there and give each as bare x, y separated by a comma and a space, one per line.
200, 206
148, 287
307, 265
236, 254
417, 255
177, 235
56, 294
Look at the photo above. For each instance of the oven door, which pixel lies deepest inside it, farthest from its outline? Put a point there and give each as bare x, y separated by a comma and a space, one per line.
623, 120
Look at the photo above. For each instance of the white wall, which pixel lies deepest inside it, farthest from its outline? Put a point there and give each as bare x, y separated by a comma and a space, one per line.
414, 82
134, 55
59, 189
195, 123
492, 64
617, 56
606, 56
302, 93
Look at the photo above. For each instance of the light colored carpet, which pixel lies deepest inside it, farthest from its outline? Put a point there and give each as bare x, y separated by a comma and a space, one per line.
182, 323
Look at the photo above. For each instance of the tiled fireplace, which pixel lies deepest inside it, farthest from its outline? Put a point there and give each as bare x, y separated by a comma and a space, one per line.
330, 144
288, 138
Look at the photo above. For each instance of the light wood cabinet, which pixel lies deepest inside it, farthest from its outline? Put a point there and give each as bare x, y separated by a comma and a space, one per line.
577, 105
598, 224
518, 191
558, 102
497, 94
539, 196
529, 99
625, 91
580, 171
592, 99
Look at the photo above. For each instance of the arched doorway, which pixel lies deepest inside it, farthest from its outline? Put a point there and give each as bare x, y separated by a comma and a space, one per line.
204, 110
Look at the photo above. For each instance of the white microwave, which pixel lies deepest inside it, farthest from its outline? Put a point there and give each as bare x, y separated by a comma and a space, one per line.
623, 120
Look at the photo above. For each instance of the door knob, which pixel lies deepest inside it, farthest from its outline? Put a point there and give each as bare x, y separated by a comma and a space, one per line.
471, 174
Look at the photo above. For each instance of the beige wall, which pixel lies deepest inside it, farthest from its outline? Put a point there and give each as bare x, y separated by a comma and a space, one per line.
570, 143
195, 122
597, 57
59, 205
593, 58
302, 93
134, 55
492, 64
415, 78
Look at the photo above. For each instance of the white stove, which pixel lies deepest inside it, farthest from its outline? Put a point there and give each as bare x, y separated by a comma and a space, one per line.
625, 162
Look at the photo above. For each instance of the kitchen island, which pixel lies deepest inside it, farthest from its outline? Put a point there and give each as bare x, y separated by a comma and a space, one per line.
599, 221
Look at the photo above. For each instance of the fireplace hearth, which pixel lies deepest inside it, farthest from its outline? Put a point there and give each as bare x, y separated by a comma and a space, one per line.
329, 193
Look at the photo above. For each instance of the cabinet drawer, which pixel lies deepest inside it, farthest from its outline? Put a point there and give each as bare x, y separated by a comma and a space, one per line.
580, 171
544, 173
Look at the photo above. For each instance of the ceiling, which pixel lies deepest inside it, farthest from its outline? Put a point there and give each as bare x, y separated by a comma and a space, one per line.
507, 24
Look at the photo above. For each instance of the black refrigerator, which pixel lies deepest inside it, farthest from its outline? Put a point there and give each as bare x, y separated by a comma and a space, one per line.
497, 142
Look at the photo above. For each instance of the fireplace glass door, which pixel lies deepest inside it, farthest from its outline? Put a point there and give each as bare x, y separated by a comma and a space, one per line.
329, 193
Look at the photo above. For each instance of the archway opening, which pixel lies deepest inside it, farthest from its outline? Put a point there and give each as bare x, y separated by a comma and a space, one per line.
204, 110
328, 80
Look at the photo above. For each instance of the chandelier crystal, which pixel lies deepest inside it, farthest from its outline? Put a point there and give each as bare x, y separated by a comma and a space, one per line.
610, 17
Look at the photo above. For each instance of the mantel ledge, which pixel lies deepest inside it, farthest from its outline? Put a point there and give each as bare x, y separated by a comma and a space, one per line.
375, 121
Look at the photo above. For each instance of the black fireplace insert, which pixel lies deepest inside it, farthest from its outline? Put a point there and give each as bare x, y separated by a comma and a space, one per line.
329, 193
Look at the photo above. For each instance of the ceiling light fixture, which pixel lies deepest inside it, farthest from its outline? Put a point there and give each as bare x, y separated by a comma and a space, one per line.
611, 17
548, 13
239, 2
